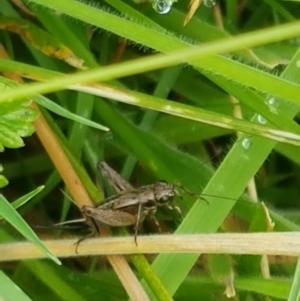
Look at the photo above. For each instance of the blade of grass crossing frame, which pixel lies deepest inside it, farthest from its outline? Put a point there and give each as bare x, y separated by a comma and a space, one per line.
295, 289
230, 179
12, 216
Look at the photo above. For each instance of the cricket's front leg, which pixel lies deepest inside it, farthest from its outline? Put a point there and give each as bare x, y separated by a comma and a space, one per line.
176, 208
80, 240
151, 213
139, 219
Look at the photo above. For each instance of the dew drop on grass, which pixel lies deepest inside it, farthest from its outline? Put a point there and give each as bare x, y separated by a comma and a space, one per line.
209, 3
261, 119
246, 143
162, 6
272, 101
273, 104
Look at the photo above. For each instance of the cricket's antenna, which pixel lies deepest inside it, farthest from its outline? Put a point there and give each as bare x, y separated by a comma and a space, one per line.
68, 197
192, 193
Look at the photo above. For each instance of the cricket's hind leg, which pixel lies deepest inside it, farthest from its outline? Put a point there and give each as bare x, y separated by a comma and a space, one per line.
92, 234
139, 220
94, 231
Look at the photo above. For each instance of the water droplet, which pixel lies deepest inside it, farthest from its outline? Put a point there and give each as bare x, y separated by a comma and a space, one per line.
246, 143
261, 119
162, 6
209, 3
272, 101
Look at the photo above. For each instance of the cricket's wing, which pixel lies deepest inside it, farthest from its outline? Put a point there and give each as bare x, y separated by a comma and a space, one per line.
120, 201
112, 218
114, 179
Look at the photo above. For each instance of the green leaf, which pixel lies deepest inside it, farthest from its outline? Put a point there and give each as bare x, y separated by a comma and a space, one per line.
10, 291
15, 122
3, 181
40, 39
8, 212
295, 289
52, 106
9, 137
25, 198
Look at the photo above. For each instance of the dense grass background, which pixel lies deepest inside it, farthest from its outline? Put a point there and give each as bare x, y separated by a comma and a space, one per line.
171, 121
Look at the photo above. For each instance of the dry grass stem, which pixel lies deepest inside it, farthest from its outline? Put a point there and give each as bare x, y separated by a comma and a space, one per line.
276, 243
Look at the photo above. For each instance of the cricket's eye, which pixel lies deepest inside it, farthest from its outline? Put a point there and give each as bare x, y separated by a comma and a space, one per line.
166, 198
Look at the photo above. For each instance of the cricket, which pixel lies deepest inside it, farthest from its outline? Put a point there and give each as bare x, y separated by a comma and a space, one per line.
129, 206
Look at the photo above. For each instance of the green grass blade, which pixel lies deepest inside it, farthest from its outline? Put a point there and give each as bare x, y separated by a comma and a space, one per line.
295, 289
12, 216
10, 291
205, 219
189, 112
52, 106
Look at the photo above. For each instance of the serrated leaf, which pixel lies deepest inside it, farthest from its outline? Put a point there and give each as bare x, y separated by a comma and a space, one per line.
9, 138
3, 181
15, 121
25, 114
9, 106
52, 106
21, 128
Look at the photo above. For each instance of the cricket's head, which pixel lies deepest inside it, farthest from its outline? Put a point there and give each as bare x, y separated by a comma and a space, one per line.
164, 192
